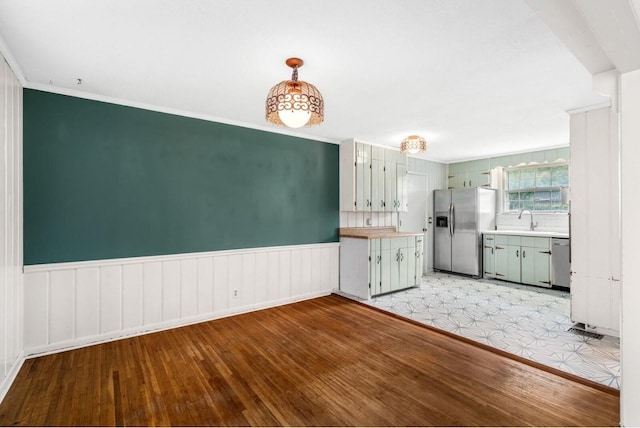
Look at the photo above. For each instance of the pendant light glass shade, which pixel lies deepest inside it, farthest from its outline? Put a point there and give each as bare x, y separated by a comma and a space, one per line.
294, 103
413, 145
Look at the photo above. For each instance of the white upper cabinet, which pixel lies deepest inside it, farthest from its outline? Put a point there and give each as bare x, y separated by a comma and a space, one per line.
363, 177
372, 178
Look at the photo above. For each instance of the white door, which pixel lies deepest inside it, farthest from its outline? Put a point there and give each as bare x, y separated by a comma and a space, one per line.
415, 218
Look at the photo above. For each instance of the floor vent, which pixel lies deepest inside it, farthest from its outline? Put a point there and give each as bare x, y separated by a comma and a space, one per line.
583, 332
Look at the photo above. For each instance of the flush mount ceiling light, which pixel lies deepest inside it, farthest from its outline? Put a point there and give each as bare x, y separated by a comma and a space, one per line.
413, 145
295, 103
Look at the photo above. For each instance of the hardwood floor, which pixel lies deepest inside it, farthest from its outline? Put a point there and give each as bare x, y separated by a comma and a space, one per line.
326, 361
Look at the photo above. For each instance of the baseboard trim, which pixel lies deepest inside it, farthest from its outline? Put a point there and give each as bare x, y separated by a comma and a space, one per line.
6, 383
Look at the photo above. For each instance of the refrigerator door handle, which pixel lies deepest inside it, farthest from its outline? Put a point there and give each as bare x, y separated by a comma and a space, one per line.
450, 229
453, 219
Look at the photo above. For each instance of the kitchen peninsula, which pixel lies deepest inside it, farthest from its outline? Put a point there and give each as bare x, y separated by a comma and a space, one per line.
378, 260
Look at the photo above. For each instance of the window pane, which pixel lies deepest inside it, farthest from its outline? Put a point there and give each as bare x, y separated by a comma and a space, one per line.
514, 205
543, 205
528, 179
526, 196
556, 197
543, 177
527, 205
514, 180
560, 176
543, 196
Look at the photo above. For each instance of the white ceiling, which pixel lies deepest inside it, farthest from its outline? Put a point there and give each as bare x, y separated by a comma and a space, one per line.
476, 78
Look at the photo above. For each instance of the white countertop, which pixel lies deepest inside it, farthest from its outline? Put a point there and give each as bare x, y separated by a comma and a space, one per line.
540, 233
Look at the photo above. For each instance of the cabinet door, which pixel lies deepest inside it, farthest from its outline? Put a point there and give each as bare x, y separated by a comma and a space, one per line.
488, 256
401, 187
403, 268
452, 182
419, 259
363, 177
501, 262
513, 260
377, 185
390, 191
387, 265
528, 266
411, 266
464, 179
484, 179
374, 272
542, 274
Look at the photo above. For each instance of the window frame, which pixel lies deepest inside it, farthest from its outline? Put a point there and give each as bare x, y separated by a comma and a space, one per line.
536, 189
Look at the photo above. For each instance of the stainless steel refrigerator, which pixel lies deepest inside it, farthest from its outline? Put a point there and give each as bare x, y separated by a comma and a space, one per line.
461, 216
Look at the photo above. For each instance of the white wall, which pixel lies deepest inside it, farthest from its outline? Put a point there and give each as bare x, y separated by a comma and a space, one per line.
10, 227
630, 156
73, 304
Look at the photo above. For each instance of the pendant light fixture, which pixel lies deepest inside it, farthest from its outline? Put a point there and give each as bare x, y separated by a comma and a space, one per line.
294, 103
413, 145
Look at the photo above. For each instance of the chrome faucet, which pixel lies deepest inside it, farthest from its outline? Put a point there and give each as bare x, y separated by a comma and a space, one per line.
531, 226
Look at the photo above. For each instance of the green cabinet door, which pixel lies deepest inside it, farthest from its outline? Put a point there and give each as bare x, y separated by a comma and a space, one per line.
536, 261
513, 260
528, 265
542, 263
488, 256
501, 262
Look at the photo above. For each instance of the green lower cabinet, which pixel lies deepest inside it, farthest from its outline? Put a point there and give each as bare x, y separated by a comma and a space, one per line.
522, 259
394, 264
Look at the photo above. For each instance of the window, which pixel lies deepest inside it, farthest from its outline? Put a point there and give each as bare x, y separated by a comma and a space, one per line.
537, 188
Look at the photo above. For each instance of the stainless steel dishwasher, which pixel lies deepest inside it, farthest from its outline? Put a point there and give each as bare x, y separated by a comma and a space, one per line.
560, 264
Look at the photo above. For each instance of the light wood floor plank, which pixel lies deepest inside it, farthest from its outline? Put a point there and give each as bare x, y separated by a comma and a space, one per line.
326, 361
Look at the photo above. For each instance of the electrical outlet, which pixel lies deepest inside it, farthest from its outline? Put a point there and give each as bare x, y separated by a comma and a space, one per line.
369, 221
235, 293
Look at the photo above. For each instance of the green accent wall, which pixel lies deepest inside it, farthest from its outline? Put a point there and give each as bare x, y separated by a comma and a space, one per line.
105, 181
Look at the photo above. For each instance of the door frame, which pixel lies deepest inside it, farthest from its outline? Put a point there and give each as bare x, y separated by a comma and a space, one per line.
425, 250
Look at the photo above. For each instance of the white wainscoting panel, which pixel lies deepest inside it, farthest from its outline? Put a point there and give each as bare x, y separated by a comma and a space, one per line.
68, 305
11, 279
132, 292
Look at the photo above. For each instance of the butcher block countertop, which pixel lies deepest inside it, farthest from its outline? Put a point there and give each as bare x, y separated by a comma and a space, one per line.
374, 232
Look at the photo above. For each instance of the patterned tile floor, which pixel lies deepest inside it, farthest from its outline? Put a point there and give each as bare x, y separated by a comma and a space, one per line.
528, 321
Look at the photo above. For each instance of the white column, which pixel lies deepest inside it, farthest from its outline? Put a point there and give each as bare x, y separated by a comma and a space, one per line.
630, 157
